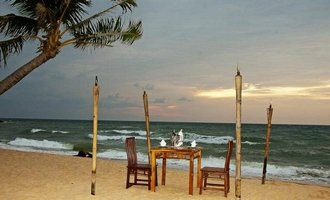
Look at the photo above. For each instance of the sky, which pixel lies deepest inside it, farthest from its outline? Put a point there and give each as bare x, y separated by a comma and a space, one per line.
186, 61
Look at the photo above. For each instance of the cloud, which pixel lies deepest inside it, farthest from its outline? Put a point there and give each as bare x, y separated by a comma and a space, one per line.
159, 100
257, 90
171, 107
117, 101
147, 86
184, 99
272, 41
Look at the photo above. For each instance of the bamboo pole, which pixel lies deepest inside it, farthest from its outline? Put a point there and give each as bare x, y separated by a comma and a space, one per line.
238, 87
146, 114
95, 118
269, 128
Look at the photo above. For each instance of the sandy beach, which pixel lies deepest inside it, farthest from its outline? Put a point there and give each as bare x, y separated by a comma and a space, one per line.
26, 175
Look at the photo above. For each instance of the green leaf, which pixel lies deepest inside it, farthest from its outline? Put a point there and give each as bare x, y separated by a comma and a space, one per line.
14, 26
9, 47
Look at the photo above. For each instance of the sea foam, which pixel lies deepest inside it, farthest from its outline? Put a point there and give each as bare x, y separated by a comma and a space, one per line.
43, 144
189, 137
36, 130
58, 131
127, 132
115, 137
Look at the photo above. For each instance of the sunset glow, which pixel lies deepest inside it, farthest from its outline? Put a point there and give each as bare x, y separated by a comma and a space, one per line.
251, 90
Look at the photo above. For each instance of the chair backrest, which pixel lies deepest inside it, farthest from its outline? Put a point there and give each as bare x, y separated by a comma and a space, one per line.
229, 152
131, 151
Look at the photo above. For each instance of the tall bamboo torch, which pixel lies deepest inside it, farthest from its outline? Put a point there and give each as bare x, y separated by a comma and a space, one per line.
96, 91
146, 114
238, 86
269, 128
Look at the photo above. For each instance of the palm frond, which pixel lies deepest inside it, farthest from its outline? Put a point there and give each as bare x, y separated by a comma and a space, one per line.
98, 34
72, 11
105, 32
133, 32
124, 4
25, 7
14, 26
50, 11
10, 47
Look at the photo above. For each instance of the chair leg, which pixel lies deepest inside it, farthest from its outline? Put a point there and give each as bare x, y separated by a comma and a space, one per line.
205, 180
228, 181
225, 185
156, 177
135, 176
201, 183
149, 179
127, 179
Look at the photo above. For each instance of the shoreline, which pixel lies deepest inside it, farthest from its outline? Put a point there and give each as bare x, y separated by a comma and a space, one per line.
31, 175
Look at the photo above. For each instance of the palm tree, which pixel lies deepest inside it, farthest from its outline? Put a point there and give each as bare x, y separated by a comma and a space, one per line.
59, 23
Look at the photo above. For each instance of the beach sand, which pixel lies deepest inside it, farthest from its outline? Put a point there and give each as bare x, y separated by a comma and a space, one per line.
26, 175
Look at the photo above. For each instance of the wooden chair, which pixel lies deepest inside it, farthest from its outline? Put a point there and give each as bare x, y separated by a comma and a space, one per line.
137, 169
217, 173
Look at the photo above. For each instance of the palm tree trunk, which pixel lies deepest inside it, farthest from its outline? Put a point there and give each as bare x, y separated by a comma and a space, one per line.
24, 70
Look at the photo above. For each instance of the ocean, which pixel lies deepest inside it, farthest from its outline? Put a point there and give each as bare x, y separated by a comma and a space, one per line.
299, 153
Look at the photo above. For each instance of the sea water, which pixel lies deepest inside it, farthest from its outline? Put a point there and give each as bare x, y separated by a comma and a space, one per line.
299, 153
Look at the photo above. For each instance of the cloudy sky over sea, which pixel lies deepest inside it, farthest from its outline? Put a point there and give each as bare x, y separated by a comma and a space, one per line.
186, 62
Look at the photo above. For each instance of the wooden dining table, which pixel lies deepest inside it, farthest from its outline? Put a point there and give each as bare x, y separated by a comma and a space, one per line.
169, 152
